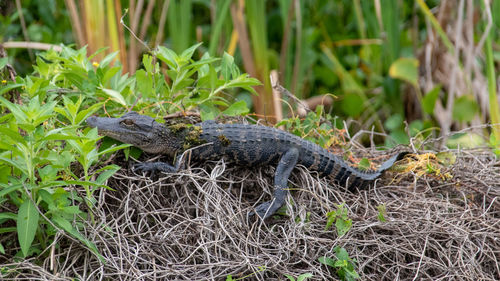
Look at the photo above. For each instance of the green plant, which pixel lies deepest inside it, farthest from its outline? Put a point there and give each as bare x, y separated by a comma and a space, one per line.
205, 91
45, 155
301, 277
345, 266
230, 277
316, 127
382, 212
340, 218
33, 152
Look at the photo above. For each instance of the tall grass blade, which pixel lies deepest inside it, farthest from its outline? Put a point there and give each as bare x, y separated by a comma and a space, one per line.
298, 49
434, 22
285, 66
113, 38
179, 24
492, 86
75, 20
256, 11
392, 51
217, 27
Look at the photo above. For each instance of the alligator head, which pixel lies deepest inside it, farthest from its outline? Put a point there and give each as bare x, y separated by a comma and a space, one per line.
139, 130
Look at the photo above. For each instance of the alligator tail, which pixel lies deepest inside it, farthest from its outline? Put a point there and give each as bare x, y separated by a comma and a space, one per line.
353, 178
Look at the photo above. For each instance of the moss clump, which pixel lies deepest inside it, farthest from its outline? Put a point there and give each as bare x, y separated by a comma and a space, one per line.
192, 137
224, 140
179, 127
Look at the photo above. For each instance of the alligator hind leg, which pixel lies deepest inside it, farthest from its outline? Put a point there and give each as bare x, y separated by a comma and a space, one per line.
285, 167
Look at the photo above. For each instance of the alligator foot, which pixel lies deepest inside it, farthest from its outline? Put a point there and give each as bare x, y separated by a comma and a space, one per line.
154, 168
266, 209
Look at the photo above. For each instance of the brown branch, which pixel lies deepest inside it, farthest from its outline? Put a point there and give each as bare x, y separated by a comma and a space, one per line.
75, 22
161, 25
31, 45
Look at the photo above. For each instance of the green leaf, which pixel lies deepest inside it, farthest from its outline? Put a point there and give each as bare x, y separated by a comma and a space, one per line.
465, 108
108, 171
343, 226
6, 189
405, 69
364, 164
115, 95
147, 61
352, 104
208, 111
188, 53
5, 89
3, 62
394, 122
290, 277
331, 217
415, 127
71, 210
8, 216
429, 100
2, 250
105, 62
110, 73
341, 253
304, 276
327, 261
227, 66
242, 81
27, 224
15, 136
7, 229
382, 212
465, 140
56, 136
167, 56
66, 226
237, 109
15, 109
15, 164
400, 136
446, 158
114, 148
144, 83
84, 114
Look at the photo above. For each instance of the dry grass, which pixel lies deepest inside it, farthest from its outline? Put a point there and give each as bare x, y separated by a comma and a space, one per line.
193, 226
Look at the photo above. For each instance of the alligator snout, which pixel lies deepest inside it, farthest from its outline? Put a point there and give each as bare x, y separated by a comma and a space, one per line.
92, 121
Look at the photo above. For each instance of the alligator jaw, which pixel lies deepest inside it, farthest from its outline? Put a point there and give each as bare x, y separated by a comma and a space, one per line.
139, 130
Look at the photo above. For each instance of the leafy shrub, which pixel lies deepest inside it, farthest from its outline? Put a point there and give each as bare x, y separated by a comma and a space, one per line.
47, 156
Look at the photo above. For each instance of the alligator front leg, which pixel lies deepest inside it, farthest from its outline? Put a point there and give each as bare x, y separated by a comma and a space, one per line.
285, 167
154, 167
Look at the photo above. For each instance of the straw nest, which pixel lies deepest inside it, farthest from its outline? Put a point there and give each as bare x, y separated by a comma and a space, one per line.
441, 224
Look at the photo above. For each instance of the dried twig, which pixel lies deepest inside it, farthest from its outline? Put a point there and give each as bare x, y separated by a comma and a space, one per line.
193, 225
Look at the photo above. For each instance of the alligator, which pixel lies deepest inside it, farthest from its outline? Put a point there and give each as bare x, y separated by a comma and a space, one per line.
242, 144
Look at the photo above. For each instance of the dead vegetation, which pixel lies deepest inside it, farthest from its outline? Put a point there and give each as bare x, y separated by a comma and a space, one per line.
193, 225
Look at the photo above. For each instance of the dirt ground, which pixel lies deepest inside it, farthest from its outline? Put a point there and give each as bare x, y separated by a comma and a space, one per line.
193, 225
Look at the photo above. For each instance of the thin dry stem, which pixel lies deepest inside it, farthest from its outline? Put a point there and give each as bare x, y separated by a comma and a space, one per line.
193, 225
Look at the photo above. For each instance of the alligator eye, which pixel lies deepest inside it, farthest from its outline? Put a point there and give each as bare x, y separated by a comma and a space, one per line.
128, 122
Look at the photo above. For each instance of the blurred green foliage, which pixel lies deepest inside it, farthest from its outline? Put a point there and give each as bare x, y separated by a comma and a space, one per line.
365, 55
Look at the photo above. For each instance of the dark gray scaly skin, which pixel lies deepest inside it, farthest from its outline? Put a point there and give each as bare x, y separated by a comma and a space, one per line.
247, 145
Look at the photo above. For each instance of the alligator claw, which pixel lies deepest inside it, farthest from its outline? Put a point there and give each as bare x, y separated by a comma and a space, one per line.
265, 210
153, 167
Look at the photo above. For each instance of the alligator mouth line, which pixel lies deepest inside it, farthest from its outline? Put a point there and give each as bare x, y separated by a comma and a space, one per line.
119, 134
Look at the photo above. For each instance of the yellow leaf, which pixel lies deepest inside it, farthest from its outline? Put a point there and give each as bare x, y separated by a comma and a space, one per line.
405, 69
